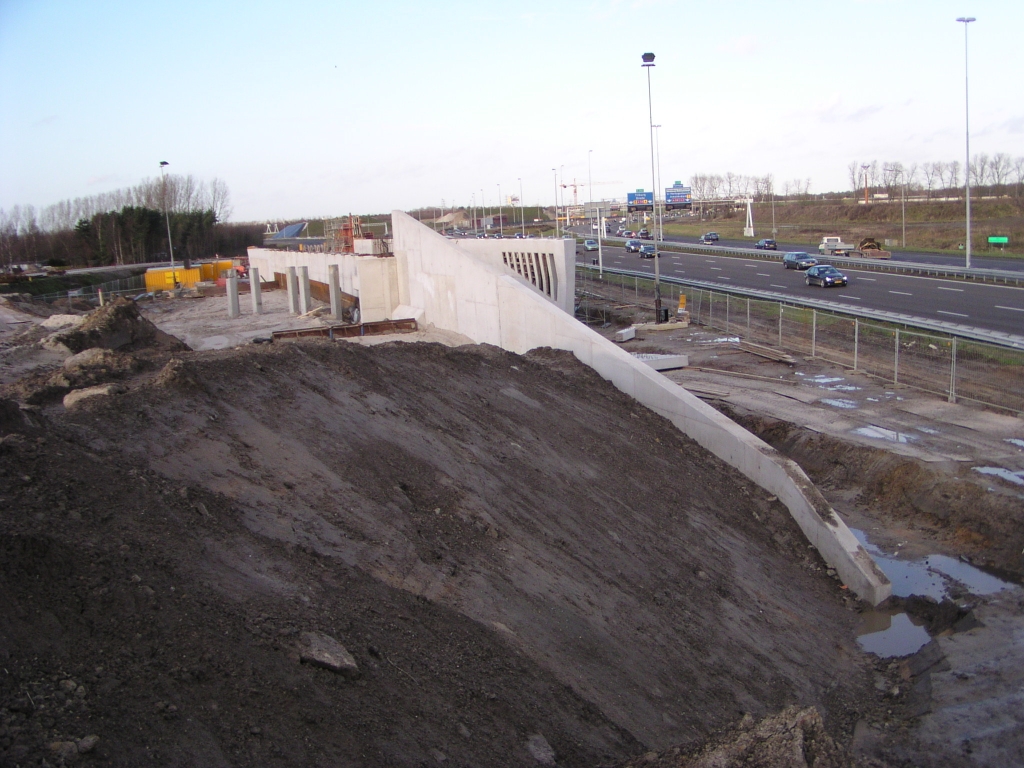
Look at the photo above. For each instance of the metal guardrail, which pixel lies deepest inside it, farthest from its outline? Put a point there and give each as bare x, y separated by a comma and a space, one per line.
1000, 276
911, 321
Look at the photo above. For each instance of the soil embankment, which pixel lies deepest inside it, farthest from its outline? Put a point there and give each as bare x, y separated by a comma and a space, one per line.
525, 565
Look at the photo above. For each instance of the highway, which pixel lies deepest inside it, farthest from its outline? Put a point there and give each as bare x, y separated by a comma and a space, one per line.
978, 305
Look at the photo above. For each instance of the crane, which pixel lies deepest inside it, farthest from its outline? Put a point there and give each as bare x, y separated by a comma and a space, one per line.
575, 188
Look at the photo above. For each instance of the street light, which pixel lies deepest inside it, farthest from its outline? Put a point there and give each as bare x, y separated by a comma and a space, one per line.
903, 201
648, 63
590, 188
659, 222
501, 226
522, 211
965, 20
167, 216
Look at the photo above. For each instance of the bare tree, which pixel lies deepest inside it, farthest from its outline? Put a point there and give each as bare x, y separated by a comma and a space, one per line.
930, 171
953, 169
999, 168
979, 169
854, 170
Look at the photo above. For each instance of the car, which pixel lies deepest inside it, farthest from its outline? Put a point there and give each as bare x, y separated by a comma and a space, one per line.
633, 246
766, 244
825, 275
712, 236
644, 234
629, 234
519, 236
798, 260
705, 240
648, 251
590, 245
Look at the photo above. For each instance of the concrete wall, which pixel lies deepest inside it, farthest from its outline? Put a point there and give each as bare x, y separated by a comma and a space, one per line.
270, 260
379, 294
546, 265
479, 299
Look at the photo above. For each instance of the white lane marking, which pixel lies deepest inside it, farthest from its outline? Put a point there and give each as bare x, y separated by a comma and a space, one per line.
869, 279
725, 278
717, 268
958, 290
681, 270
1012, 309
848, 296
901, 293
773, 285
752, 266
954, 314
763, 274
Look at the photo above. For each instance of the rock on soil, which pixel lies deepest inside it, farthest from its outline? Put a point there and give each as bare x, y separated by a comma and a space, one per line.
507, 547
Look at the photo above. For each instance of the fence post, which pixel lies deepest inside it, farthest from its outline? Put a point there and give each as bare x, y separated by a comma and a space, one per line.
896, 362
952, 374
727, 314
814, 330
781, 310
748, 317
856, 340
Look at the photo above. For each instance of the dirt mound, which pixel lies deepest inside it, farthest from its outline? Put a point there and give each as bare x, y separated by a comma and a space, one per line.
524, 565
987, 525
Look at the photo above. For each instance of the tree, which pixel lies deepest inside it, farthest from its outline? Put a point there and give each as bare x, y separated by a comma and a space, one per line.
854, 170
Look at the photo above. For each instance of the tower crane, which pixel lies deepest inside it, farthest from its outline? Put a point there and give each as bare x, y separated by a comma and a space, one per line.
575, 188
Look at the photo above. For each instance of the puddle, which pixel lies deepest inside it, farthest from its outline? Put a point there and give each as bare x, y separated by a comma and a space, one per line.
1015, 441
895, 633
1017, 478
724, 340
826, 379
880, 433
928, 430
843, 388
839, 403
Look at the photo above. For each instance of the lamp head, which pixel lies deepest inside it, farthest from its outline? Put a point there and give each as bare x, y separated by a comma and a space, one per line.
967, 19
164, 163
648, 59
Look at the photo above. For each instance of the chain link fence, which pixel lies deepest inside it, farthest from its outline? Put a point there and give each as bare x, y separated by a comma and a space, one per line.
948, 366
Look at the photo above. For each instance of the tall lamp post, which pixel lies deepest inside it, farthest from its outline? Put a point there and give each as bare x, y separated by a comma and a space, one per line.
648, 63
590, 188
658, 220
965, 20
167, 216
555, 171
522, 211
501, 224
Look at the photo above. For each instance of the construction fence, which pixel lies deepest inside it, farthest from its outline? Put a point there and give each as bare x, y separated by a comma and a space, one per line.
956, 368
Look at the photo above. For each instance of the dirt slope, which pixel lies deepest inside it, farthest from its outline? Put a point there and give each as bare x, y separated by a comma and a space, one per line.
525, 564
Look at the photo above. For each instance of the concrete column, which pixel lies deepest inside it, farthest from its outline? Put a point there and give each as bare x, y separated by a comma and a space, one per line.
102, 298
254, 290
293, 291
232, 284
332, 280
304, 302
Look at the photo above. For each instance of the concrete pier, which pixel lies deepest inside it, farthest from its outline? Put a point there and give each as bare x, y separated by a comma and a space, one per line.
254, 289
335, 288
232, 284
304, 300
293, 291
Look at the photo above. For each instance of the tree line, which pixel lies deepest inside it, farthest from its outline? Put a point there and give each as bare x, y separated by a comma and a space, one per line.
999, 174
127, 226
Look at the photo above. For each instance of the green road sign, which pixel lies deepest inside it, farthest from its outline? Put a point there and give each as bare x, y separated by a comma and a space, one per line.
640, 190
998, 240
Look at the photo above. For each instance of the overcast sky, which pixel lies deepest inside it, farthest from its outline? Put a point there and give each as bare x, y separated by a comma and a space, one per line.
307, 108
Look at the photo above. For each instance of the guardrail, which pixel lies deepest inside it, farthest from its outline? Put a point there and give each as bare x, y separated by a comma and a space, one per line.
998, 276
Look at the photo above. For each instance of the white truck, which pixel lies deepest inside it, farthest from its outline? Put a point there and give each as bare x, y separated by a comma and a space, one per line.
868, 249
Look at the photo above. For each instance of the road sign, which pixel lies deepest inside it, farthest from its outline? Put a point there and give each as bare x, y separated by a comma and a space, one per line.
998, 240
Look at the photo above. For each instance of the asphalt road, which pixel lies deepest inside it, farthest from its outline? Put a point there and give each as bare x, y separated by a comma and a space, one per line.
978, 305
916, 257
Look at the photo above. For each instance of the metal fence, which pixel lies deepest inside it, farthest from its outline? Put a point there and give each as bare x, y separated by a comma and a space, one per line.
127, 286
956, 368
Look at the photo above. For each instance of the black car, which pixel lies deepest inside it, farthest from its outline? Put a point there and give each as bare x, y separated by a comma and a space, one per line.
798, 260
825, 275
633, 246
648, 251
766, 244
644, 234
711, 236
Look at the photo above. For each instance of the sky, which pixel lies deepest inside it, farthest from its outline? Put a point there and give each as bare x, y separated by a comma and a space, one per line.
310, 109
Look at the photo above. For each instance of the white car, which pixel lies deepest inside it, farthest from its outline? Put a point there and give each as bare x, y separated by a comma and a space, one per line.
590, 245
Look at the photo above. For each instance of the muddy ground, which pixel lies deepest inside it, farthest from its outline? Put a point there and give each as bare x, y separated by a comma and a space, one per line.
526, 567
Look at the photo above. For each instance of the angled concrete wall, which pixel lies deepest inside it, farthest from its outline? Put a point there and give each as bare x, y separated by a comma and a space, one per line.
270, 260
453, 290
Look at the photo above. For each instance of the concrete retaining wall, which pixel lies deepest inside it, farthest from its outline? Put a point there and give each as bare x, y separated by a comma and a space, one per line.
547, 265
269, 261
461, 293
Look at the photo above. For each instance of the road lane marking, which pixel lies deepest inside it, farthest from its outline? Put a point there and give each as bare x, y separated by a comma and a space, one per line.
869, 279
1012, 309
901, 293
717, 268
723, 277
763, 274
773, 285
848, 296
954, 314
752, 266
958, 290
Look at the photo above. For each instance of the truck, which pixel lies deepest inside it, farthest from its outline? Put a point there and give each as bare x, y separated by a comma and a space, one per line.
868, 248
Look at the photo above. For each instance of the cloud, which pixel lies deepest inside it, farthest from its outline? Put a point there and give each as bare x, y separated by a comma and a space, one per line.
744, 45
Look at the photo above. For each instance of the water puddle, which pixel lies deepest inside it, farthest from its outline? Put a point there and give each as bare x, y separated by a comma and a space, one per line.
724, 340
826, 379
839, 403
1017, 478
928, 430
843, 388
880, 433
894, 633
1015, 441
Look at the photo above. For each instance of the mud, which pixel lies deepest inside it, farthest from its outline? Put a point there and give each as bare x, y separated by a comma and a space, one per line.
513, 552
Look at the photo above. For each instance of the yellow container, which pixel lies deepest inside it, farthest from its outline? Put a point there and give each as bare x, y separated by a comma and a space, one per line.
222, 266
166, 279
208, 270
